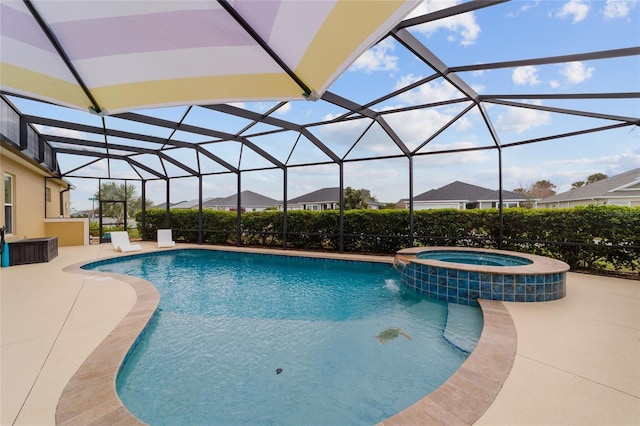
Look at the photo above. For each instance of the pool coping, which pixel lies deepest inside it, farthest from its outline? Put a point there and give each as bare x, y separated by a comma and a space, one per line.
90, 396
539, 265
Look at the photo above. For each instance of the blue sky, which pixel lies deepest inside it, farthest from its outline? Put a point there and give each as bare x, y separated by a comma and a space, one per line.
509, 31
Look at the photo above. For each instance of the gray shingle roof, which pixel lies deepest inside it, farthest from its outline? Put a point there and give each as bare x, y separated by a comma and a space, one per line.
625, 184
247, 198
324, 195
460, 191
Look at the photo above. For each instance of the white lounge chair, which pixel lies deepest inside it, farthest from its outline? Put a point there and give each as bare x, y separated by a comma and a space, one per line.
165, 239
120, 242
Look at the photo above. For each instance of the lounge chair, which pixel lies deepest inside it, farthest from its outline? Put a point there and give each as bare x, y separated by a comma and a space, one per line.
120, 242
165, 239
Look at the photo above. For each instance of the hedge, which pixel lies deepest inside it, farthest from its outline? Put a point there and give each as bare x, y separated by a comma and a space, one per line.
592, 237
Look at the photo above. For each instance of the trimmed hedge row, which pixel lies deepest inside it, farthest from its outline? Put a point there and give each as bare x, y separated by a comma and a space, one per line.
592, 237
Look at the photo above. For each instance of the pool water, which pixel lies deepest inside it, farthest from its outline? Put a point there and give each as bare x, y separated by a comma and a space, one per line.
227, 322
474, 258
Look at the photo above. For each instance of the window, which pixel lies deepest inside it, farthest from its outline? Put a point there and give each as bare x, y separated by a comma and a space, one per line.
47, 194
8, 203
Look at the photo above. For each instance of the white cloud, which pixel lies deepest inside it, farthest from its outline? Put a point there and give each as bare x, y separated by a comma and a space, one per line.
527, 75
57, 131
576, 72
554, 84
429, 92
284, 109
617, 9
414, 127
378, 58
520, 120
576, 9
622, 162
464, 26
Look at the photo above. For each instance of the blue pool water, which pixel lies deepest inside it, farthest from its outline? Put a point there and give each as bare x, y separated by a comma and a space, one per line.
474, 258
227, 321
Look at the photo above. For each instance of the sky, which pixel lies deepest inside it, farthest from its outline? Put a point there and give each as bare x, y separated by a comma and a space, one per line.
509, 31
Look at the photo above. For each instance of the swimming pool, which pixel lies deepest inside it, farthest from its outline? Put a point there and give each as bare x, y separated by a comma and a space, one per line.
333, 369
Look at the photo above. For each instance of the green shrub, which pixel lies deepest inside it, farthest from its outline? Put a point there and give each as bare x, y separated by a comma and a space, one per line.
593, 237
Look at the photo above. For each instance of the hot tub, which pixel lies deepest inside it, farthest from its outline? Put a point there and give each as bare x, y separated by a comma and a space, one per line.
463, 275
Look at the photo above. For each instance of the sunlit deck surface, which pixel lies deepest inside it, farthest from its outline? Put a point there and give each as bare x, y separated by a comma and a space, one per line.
577, 359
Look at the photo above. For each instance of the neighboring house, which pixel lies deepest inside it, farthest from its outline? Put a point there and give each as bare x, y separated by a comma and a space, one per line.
461, 196
322, 199
619, 190
191, 204
250, 201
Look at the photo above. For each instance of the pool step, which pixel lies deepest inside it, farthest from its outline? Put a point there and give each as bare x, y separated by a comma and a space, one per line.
464, 325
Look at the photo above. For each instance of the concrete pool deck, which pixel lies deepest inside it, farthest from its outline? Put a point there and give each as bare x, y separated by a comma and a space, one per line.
577, 359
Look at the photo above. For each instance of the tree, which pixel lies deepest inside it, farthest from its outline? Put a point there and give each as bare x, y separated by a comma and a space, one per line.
592, 178
355, 198
112, 191
596, 177
538, 190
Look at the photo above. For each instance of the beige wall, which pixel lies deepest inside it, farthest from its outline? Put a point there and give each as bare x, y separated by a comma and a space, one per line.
29, 197
70, 232
53, 205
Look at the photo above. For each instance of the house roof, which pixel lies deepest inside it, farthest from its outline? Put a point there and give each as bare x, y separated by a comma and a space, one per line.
460, 191
326, 195
247, 198
625, 184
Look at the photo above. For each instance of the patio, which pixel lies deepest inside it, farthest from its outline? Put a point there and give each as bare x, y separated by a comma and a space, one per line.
577, 359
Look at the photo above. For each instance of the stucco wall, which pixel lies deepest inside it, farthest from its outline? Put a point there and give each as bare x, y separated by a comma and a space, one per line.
28, 199
53, 205
70, 232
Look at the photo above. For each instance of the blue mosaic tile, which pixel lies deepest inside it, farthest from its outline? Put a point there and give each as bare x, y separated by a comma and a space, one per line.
460, 286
